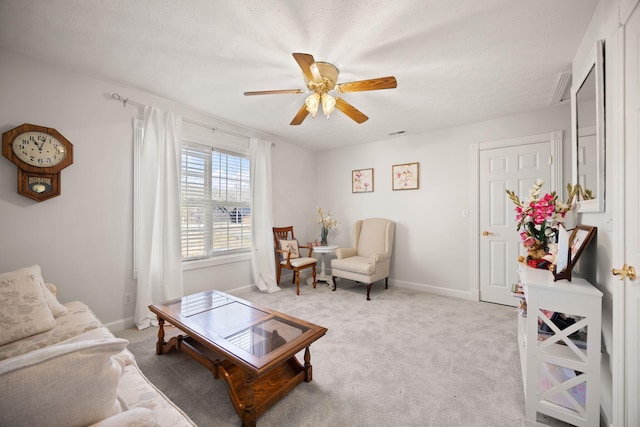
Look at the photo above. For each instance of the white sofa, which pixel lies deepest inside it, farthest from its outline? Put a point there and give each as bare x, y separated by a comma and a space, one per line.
60, 366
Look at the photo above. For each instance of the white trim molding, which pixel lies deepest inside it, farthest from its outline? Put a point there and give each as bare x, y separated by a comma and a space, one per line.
625, 9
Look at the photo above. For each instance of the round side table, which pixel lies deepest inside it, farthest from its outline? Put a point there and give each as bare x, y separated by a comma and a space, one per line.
322, 276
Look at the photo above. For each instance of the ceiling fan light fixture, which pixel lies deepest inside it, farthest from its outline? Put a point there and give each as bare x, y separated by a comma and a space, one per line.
328, 104
312, 103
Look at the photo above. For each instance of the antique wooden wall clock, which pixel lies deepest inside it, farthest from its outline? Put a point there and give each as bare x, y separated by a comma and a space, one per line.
40, 154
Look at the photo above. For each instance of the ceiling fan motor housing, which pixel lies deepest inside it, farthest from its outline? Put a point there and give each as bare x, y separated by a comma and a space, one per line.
329, 73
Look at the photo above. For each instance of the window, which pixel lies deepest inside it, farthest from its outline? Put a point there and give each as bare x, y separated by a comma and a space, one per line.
215, 210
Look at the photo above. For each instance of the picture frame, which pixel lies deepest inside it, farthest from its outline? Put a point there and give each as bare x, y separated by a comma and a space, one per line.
562, 269
580, 238
405, 176
362, 181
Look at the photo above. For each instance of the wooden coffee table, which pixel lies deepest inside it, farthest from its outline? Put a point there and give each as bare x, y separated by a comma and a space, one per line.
251, 348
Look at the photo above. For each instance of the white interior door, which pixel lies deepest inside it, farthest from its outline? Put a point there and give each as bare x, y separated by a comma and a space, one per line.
632, 229
514, 168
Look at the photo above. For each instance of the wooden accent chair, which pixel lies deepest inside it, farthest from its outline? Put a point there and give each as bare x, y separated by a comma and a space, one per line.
288, 256
370, 257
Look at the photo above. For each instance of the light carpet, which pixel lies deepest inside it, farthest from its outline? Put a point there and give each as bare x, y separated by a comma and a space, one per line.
405, 358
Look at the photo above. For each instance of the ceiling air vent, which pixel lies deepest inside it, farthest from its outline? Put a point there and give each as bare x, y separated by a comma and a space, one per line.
563, 87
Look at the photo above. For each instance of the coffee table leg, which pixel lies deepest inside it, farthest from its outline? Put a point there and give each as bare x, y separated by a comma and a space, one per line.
160, 343
246, 397
308, 369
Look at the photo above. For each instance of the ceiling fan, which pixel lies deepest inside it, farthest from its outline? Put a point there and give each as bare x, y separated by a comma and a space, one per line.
321, 78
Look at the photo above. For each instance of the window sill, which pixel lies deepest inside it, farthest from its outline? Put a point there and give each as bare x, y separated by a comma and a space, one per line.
212, 262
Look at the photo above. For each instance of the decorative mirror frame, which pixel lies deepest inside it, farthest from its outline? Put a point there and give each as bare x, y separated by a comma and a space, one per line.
595, 62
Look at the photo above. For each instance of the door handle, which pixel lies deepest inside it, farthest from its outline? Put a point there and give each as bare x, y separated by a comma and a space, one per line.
487, 233
626, 271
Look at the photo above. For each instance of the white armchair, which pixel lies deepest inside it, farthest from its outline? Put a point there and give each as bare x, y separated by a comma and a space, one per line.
370, 258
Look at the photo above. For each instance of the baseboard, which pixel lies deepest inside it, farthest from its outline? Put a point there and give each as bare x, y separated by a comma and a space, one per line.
468, 295
119, 325
240, 290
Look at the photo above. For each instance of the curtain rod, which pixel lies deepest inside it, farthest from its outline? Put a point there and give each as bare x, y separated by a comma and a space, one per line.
126, 101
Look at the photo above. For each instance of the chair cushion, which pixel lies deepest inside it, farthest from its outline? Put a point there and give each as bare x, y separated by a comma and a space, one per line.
355, 264
291, 246
23, 305
299, 262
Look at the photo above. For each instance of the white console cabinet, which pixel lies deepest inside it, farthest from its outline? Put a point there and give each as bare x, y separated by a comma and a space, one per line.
560, 367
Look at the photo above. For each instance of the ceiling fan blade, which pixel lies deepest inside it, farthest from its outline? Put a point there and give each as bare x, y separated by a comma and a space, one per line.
305, 61
300, 116
273, 92
371, 84
351, 111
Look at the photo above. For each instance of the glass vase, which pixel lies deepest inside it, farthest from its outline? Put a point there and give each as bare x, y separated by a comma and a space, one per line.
323, 236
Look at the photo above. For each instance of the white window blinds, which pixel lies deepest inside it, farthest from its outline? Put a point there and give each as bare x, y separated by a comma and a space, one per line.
215, 202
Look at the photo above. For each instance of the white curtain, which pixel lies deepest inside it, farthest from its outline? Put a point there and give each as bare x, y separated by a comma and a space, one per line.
159, 258
262, 256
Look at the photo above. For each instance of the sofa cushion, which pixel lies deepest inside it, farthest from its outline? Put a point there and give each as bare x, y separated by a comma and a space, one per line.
136, 391
74, 384
23, 307
77, 320
136, 417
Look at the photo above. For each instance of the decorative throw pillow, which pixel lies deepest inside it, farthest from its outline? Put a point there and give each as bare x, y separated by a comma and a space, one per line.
23, 307
73, 384
291, 246
56, 308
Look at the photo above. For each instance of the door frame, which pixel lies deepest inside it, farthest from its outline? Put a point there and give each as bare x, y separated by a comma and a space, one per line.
617, 131
554, 139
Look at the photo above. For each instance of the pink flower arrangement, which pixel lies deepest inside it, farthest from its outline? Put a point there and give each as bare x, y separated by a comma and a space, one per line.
540, 216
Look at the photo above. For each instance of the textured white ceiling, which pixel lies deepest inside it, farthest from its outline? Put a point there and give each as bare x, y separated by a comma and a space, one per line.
456, 61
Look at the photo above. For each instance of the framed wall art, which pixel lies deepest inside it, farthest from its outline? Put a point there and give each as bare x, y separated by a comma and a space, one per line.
362, 181
406, 176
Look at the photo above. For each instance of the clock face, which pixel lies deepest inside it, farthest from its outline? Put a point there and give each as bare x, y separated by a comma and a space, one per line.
38, 149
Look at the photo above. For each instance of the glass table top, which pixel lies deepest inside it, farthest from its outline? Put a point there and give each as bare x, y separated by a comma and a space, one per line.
250, 329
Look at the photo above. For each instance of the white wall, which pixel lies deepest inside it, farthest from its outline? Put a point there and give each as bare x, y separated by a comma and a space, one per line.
432, 243
88, 251
83, 238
